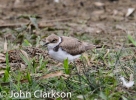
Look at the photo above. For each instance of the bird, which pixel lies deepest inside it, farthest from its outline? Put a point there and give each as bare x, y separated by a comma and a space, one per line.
64, 47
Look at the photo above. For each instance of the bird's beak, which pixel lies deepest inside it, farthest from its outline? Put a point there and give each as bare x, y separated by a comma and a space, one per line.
46, 44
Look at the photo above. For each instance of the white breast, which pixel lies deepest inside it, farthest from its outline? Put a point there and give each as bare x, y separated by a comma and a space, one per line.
61, 55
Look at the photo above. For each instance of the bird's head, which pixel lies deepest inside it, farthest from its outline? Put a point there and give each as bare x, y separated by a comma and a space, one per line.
52, 41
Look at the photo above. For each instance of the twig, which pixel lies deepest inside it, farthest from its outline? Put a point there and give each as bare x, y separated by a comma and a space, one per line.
40, 25
56, 20
12, 25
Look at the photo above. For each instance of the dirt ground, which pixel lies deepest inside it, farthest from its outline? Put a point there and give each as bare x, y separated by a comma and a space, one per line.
104, 21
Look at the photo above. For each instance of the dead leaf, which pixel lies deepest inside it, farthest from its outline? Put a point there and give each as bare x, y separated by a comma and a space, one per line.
34, 22
130, 11
98, 12
106, 53
131, 77
115, 12
23, 66
120, 27
99, 4
24, 81
2, 57
25, 54
2, 66
57, 1
2, 72
17, 2
5, 46
65, 76
80, 97
51, 75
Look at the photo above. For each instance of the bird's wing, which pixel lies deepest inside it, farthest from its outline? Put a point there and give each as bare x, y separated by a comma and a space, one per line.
72, 45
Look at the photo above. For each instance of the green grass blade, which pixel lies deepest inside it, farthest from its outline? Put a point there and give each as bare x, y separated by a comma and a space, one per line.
66, 66
132, 40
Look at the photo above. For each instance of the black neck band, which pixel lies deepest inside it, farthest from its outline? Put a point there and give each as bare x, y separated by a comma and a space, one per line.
57, 47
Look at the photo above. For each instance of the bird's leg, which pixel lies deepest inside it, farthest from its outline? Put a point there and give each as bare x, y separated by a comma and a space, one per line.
87, 59
75, 64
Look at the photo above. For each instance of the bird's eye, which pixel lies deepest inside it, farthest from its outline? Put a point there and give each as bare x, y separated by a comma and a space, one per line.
54, 40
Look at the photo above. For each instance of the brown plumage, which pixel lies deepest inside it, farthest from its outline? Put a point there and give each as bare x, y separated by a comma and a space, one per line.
73, 46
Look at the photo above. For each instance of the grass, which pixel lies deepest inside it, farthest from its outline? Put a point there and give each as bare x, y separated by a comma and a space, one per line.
99, 81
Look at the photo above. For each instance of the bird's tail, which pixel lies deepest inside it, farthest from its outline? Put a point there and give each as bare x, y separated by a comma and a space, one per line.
90, 46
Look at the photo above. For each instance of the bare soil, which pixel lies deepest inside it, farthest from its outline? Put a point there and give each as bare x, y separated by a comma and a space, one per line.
104, 21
